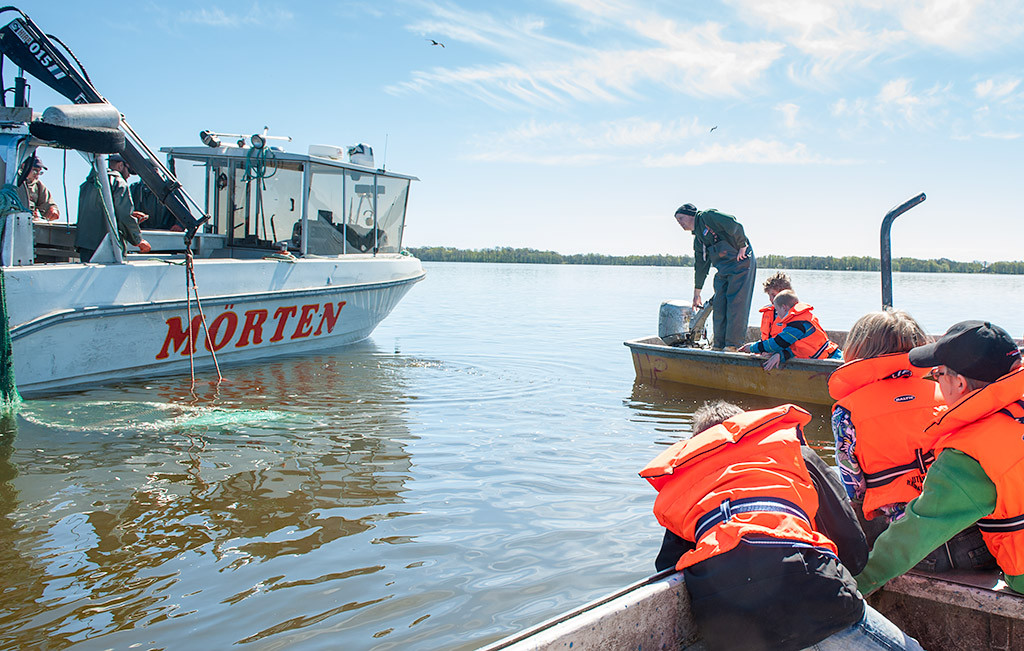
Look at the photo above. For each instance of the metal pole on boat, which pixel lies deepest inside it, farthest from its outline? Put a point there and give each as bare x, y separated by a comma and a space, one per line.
886, 253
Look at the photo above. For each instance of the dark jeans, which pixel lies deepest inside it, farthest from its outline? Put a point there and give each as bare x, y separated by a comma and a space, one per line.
85, 254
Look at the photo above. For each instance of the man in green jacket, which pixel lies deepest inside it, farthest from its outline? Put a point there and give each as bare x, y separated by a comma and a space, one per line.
719, 240
92, 216
978, 471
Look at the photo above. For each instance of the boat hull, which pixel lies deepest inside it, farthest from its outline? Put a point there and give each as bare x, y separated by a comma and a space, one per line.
955, 611
798, 380
80, 325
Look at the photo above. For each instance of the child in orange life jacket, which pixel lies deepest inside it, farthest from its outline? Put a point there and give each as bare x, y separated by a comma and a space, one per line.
882, 449
755, 520
801, 335
777, 282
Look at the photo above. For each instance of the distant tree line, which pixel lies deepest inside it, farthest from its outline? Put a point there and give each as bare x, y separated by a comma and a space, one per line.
826, 263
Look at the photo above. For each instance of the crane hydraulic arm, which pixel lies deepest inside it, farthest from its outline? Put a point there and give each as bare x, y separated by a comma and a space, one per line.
26, 46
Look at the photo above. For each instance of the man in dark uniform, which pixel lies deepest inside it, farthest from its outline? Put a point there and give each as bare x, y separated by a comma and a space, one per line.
160, 218
719, 240
92, 215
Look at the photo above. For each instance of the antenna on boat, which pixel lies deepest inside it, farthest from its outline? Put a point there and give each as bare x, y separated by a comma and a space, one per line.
886, 252
384, 162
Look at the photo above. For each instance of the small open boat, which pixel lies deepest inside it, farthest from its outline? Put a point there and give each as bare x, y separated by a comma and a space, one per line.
798, 380
954, 611
681, 354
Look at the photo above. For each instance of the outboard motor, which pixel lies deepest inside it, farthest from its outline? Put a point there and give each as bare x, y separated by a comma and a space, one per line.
674, 322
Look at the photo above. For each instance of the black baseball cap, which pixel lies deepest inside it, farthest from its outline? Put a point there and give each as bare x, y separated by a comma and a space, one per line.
976, 349
687, 209
38, 164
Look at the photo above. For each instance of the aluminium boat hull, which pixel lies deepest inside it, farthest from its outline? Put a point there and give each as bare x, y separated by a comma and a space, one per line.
957, 611
79, 325
798, 380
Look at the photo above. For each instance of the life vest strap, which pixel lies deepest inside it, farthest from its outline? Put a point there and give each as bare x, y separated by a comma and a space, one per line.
728, 508
1019, 416
1001, 525
889, 475
824, 347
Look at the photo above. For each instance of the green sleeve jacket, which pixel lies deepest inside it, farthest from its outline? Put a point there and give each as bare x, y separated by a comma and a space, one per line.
709, 228
956, 494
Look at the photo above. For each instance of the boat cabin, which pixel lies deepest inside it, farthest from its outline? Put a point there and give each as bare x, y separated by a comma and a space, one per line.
260, 200
264, 199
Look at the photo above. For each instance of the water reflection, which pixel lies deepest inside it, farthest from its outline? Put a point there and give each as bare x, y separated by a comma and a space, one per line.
117, 514
669, 408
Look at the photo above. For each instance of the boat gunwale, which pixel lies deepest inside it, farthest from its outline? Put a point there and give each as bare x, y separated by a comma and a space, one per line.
734, 358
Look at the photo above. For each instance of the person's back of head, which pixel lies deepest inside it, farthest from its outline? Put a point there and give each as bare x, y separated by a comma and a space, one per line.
713, 413
882, 333
785, 300
777, 282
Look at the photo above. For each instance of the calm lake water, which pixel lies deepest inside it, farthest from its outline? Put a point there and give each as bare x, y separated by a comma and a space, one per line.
468, 471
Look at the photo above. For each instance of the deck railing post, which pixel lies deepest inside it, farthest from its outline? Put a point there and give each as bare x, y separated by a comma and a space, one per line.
886, 248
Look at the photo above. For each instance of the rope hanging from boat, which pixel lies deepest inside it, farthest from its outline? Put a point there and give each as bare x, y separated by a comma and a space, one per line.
10, 399
256, 159
192, 289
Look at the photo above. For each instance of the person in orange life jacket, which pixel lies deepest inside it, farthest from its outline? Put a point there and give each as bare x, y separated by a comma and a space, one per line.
801, 335
883, 406
777, 282
719, 240
758, 524
978, 472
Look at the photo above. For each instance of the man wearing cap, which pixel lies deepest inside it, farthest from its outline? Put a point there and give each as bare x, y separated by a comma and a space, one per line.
92, 216
35, 196
719, 240
978, 473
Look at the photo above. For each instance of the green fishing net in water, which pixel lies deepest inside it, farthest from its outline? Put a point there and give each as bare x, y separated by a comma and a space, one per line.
9, 397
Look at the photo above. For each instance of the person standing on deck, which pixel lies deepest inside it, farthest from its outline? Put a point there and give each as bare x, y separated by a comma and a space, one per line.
978, 473
35, 196
719, 240
92, 216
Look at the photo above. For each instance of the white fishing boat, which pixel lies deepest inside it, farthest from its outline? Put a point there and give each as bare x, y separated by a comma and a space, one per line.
289, 252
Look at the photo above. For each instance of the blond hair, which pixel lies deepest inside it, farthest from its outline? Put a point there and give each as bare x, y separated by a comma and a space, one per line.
713, 413
881, 333
778, 281
785, 299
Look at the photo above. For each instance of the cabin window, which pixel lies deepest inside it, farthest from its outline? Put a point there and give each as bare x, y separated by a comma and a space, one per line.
354, 212
266, 204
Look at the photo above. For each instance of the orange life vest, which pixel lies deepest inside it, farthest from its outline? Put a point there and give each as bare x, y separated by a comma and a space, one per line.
988, 425
742, 479
890, 404
815, 345
769, 328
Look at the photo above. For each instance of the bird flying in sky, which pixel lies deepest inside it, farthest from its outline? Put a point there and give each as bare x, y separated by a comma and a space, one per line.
433, 42
713, 128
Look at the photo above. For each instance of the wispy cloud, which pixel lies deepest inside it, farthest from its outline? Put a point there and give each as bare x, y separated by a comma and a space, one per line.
789, 113
760, 152
543, 70
995, 90
896, 104
565, 143
256, 14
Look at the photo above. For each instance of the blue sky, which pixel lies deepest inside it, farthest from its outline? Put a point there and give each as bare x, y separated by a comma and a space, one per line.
580, 125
